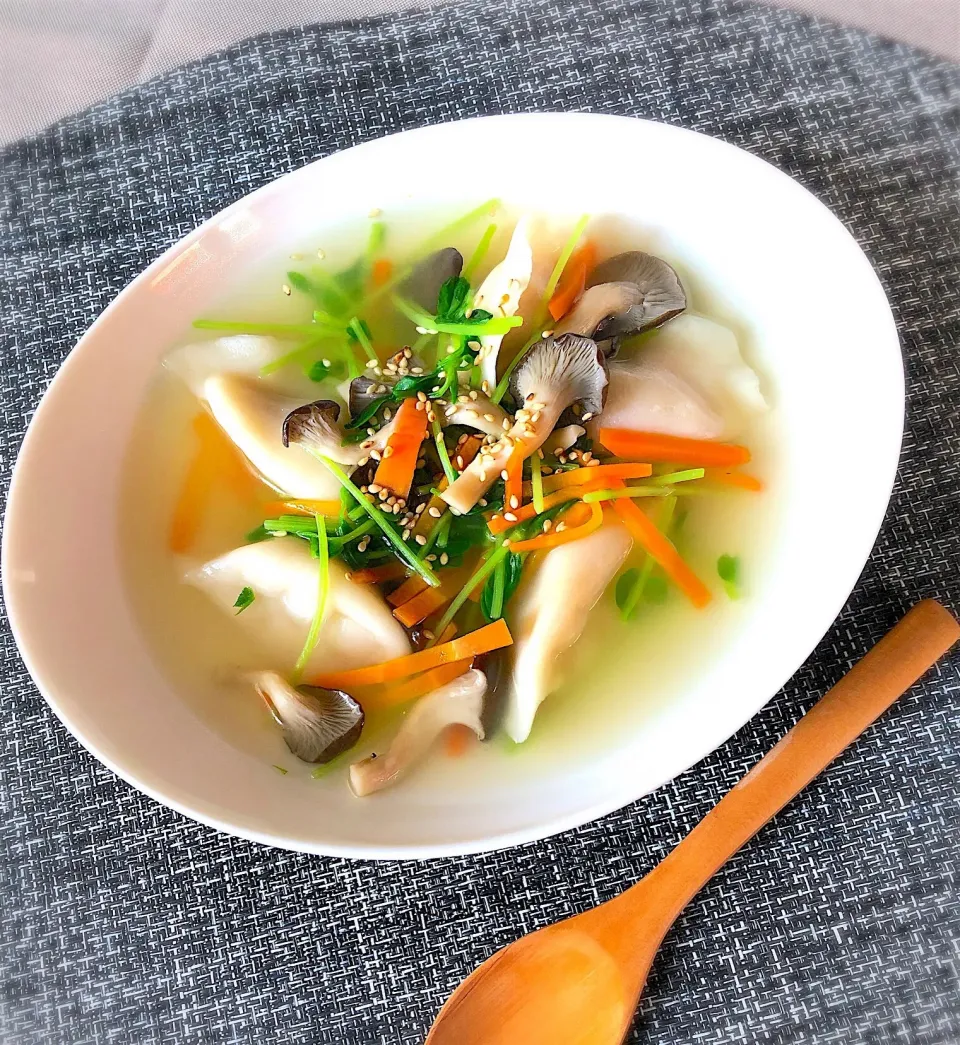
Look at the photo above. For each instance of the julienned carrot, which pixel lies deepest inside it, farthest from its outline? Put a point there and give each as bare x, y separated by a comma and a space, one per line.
464, 647
498, 524
573, 530
410, 689
417, 609
662, 551
301, 507
412, 586
389, 571
465, 452
573, 280
381, 271
513, 485
214, 457
598, 473
653, 446
738, 479
395, 471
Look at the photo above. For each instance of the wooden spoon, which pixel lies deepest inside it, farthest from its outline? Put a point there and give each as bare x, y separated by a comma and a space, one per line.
578, 982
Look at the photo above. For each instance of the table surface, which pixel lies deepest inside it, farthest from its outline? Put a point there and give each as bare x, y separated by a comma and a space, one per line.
57, 56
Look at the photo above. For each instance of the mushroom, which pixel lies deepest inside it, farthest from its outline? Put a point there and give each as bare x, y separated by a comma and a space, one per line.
553, 375
314, 426
662, 295
545, 626
255, 418
563, 438
479, 411
424, 283
459, 702
499, 294
318, 724
599, 304
358, 627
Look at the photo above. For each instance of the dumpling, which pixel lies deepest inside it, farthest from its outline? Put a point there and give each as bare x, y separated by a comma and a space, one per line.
689, 380
544, 625
358, 627
242, 354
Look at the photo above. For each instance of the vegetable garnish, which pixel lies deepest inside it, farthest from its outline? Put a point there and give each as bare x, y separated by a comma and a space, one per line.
573, 280
480, 251
591, 496
389, 571
595, 475
442, 453
536, 482
499, 523
728, 568
513, 484
659, 547
540, 316
417, 609
652, 446
631, 594
574, 524
738, 479
381, 271
323, 587
401, 549
426, 323
298, 355
487, 565
670, 478
304, 506
359, 332
411, 586
419, 685
244, 599
399, 462
464, 647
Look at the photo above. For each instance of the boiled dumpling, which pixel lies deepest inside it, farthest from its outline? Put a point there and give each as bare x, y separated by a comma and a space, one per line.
545, 626
698, 383
242, 354
358, 627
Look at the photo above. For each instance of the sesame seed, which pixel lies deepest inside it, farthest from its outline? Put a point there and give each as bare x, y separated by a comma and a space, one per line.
421, 406
470, 412
326, 363
362, 461
489, 417
547, 525
371, 364
363, 545
286, 290
463, 399
321, 254
375, 212
371, 431
375, 454
561, 526
383, 494
444, 558
418, 370
540, 454
434, 511
450, 411
428, 634
504, 475
506, 543
593, 464
450, 350
392, 500
586, 457
505, 424
431, 417
459, 462
387, 413
483, 476
420, 539
482, 502
407, 354
514, 501
485, 387
388, 452
547, 333
587, 416
374, 488
431, 557
474, 395
405, 536
510, 517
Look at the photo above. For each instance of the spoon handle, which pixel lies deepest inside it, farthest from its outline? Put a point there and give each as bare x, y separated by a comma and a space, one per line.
898, 660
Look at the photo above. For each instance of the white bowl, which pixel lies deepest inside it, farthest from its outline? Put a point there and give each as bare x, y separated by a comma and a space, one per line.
768, 250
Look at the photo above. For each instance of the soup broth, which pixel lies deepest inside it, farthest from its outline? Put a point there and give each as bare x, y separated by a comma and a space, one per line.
616, 675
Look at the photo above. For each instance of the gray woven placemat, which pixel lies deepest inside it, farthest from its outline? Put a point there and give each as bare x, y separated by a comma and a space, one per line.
124, 923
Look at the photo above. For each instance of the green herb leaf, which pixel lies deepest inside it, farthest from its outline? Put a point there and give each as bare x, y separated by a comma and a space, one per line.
244, 599
728, 567
280, 769
318, 371
624, 590
656, 588
261, 533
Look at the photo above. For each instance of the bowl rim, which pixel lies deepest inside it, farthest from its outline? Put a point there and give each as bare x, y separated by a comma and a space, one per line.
617, 798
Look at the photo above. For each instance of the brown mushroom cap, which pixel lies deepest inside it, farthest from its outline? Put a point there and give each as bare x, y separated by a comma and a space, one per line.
314, 424
423, 284
662, 293
318, 724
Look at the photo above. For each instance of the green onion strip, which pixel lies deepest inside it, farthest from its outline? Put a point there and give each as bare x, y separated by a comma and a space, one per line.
322, 590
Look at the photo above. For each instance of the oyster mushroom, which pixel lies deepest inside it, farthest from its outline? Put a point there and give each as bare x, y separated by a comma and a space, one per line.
563, 438
315, 425
424, 283
553, 375
318, 724
499, 294
480, 413
599, 304
459, 702
662, 294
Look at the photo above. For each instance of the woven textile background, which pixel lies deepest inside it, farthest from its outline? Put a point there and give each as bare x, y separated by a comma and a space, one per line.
124, 923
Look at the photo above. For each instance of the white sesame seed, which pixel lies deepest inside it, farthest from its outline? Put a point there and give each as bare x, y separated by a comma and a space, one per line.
387, 413
427, 634
593, 464
431, 557
405, 536
514, 501
547, 525
450, 411
374, 488
418, 370
485, 387
482, 502
561, 526
326, 363
375, 454
587, 416
444, 558
362, 461
510, 517
387, 452
372, 364
435, 512
286, 290
483, 476
420, 539
421, 406
474, 395
431, 417
459, 462
321, 254
420, 507
505, 424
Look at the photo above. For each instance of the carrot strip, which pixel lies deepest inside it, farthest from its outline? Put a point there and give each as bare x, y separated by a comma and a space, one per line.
395, 471
301, 507
738, 479
573, 280
381, 271
492, 636
498, 524
456, 742
230, 463
598, 473
661, 550
412, 586
389, 571
653, 446
466, 451
418, 686
513, 485
417, 609
592, 516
